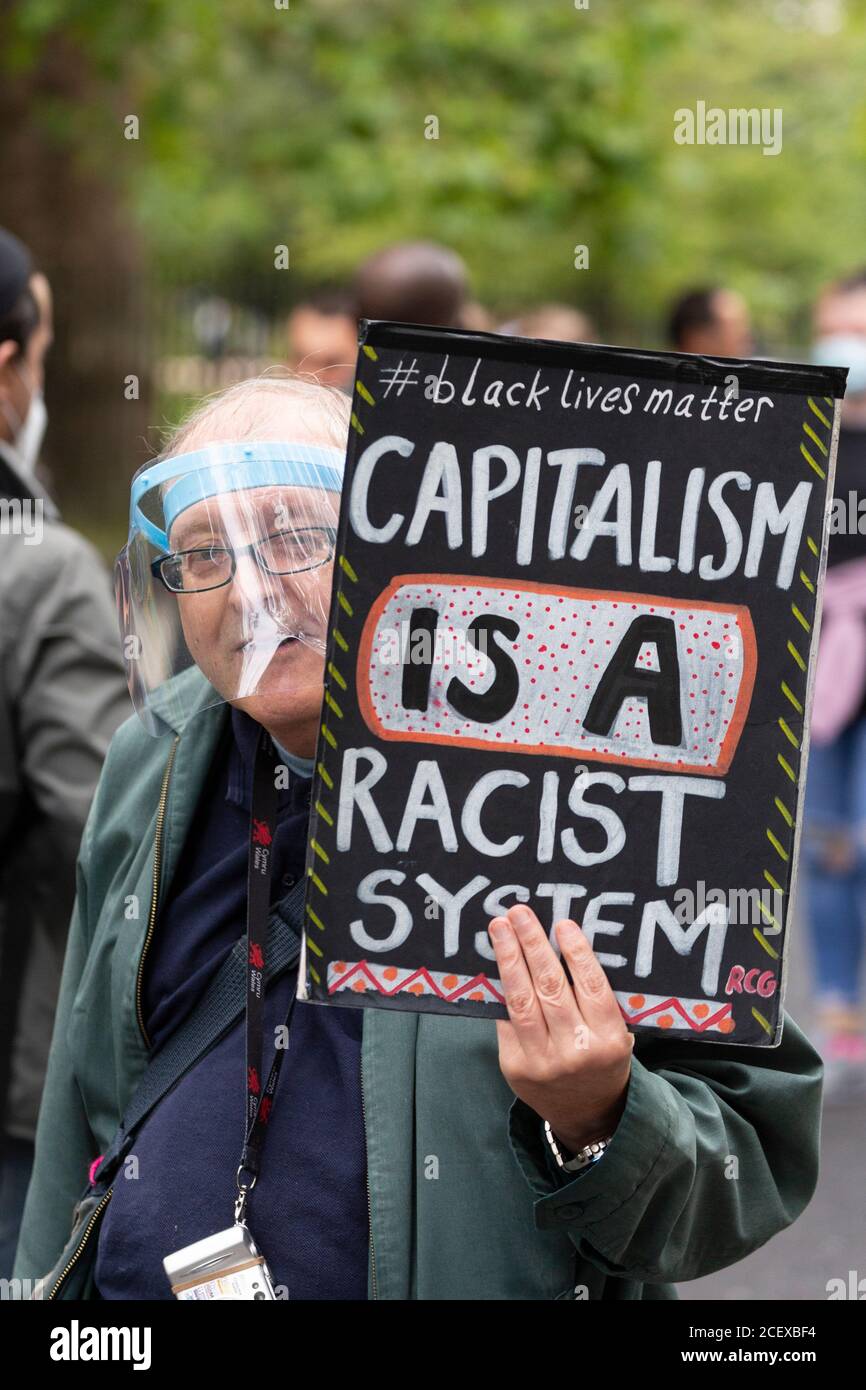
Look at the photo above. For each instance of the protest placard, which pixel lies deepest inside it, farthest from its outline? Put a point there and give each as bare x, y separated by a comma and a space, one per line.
573, 625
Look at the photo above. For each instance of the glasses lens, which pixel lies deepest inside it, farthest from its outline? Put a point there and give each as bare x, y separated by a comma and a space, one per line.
295, 550
192, 570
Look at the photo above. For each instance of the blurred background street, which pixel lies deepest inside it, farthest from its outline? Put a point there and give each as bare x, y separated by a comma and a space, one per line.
829, 1239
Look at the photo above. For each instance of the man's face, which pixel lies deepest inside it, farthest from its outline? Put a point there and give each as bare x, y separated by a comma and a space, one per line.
323, 344
841, 315
731, 329
260, 638
23, 374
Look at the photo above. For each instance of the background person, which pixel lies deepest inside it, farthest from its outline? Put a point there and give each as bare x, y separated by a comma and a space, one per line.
557, 322
834, 838
62, 695
713, 322
322, 335
413, 282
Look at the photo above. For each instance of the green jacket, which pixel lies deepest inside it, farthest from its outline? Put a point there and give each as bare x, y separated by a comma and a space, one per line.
716, 1151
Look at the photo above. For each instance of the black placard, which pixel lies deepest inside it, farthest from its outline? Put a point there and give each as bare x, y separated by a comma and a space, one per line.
573, 621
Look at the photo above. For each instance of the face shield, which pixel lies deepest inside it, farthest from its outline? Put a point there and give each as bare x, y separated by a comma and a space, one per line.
224, 586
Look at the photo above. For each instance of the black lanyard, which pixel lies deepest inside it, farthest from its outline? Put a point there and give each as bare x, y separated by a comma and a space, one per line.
260, 1102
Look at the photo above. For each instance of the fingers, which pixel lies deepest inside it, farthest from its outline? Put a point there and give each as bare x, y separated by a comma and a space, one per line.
596, 1000
523, 1007
542, 1005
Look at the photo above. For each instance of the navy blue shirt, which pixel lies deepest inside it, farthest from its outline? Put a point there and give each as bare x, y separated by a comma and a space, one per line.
308, 1212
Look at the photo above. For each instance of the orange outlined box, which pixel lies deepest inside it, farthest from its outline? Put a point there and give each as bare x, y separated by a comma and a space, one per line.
582, 628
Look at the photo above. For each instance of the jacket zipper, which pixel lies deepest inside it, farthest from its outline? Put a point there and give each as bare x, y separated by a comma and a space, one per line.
81, 1244
369, 1199
154, 895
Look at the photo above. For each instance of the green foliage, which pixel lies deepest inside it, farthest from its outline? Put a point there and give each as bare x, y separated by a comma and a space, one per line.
305, 126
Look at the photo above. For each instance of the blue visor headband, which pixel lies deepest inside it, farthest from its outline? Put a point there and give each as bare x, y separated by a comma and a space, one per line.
222, 468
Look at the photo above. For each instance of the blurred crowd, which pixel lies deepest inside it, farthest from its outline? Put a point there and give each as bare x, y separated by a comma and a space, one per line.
422, 282
60, 667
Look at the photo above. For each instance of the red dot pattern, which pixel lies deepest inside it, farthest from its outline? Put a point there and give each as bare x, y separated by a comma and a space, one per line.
564, 645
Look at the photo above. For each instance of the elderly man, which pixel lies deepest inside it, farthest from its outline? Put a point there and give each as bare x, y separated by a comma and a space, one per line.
408, 1155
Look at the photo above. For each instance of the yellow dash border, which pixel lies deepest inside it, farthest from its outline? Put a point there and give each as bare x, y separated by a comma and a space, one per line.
815, 439
777, 845
797, 657
318, 921
788, 734
333, 671
806, 455
344, 565
769, 916
318, 882
759, 936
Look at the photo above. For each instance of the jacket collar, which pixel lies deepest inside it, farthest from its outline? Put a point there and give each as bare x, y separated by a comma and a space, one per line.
184, 699
14, 482
189, 756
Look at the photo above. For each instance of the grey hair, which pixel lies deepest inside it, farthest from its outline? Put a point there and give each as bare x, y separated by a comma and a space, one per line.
225, 415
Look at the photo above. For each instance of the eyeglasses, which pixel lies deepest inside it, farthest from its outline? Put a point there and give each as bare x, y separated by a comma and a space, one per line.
212, 566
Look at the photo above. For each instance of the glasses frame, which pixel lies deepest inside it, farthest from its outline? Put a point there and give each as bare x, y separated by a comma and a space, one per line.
234, 551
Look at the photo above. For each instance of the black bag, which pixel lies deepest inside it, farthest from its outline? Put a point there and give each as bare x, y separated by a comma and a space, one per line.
219, 1009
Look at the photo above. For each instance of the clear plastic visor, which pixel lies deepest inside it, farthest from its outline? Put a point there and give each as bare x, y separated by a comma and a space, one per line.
224, 585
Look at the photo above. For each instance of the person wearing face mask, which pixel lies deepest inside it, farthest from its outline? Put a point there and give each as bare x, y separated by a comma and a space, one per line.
25, 307
62, 695
834, 840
